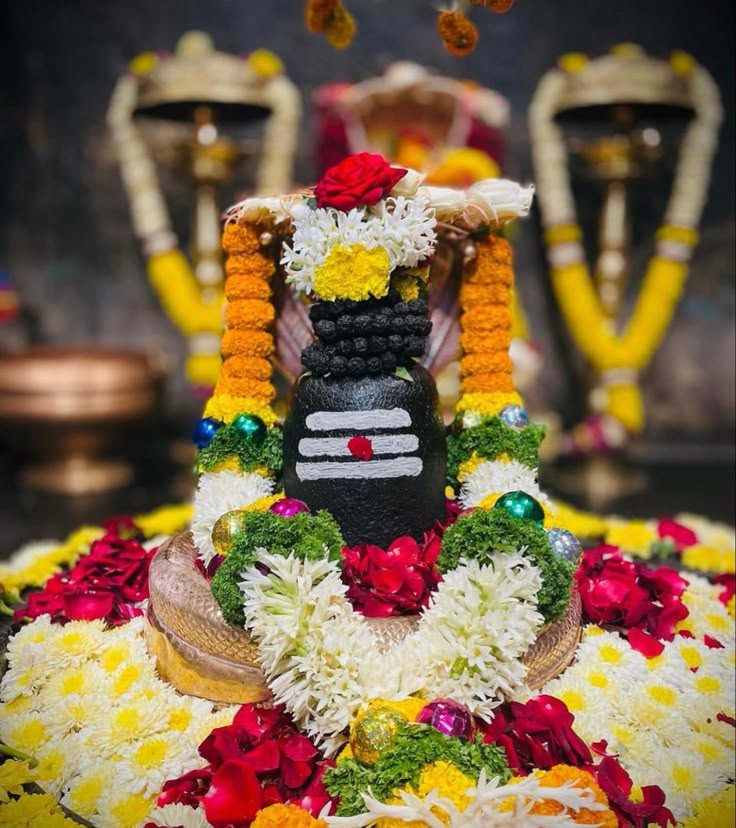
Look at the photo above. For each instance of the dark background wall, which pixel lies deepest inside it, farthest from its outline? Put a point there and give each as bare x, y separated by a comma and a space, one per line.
65, 232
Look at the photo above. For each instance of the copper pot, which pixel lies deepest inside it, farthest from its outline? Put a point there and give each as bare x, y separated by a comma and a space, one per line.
69, 408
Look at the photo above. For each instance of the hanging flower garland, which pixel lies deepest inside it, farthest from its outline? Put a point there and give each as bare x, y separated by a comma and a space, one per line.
459, 35
619, 358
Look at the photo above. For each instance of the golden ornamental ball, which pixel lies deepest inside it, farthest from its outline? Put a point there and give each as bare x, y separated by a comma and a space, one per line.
373, 731
225, 528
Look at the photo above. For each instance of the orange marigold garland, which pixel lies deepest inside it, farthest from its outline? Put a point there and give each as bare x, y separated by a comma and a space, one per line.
246, 344
485, 326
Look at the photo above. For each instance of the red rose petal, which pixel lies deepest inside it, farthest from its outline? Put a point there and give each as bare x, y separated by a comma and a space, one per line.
388, 580
297, 747
644, 643
265, 758
712, 643
87, 605
234, 794
295, 774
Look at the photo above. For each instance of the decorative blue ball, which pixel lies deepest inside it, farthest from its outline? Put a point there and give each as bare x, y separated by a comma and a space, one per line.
251, 428
565, 545
521, 505
514, 416
204, 431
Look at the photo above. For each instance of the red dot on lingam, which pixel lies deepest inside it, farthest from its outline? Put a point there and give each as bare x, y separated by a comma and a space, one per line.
360, 447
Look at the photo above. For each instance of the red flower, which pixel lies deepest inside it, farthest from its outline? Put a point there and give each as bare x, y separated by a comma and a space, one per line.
681, 536
728, 581
537, 734
360, 447
621, 593
398, 580
107, 583
256, 761
616, 785
362, 179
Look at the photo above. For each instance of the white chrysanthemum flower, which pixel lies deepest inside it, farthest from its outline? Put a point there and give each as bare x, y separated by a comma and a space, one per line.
683, 776
183, 816
147, 763
127, 722
71, 714
403, 227
58, 763
218, 493
201, 727
612, 652
84, 679
494, 476
118, 807
27, 555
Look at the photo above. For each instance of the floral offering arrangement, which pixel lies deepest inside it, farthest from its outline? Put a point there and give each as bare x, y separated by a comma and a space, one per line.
373, 621
458, 33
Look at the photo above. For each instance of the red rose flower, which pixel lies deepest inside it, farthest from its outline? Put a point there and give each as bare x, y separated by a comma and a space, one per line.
622, 594
680, 535
358, 180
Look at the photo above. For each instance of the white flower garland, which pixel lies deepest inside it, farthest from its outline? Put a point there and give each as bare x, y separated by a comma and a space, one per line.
488, 797
498, 477
403, 227
218, 493
322, 661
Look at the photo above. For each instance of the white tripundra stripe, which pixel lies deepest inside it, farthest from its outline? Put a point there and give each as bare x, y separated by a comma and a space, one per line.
360, 469
338, 446
358, 420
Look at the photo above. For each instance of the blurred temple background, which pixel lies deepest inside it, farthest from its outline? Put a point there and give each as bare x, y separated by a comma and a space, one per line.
67, 242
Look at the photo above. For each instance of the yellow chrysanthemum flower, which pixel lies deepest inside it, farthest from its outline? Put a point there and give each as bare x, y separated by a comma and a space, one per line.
633, 536
352, 272
165, 520
469, 466
709, 559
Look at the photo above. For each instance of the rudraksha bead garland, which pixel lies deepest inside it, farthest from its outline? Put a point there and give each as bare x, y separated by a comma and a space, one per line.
375, 336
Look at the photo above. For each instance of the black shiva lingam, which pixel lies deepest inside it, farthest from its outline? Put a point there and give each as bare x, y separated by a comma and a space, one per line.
363, 438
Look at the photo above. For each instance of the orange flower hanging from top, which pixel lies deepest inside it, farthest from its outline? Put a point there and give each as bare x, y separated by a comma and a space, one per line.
330, 17
459, 35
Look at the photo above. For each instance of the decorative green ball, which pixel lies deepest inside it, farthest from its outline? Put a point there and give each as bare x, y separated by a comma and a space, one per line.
521, 505
250, 428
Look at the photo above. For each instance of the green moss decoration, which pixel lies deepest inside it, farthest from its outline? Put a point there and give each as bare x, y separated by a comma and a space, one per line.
485, 531
413, 747
308, 537
490, 438
228, 442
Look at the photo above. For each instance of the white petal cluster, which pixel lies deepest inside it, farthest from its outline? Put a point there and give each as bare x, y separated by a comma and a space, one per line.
659, 715
220, 492
488, 798
403, 227
497, 477
322, 661
87, 703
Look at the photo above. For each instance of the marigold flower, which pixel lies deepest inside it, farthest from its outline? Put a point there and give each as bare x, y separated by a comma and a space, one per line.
319, 13
493, 362
487, 383
472, 295
457, 32
246, 287
226, 407
245, 387
249, 314
487, 404
286, 816
242, 367
250, 264
481, 342
247, 343
341, 29
486, 318
240, 238
352, 272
